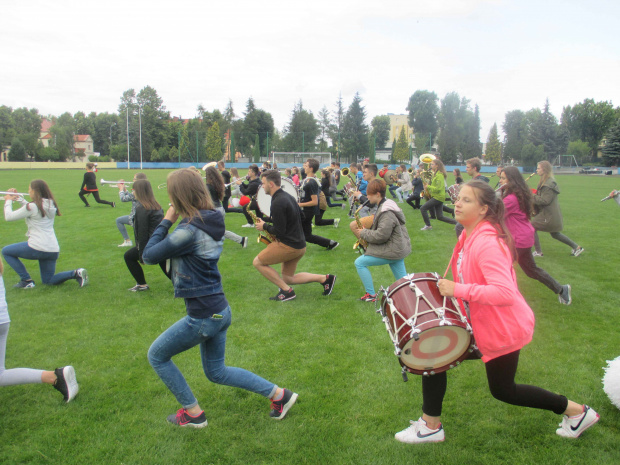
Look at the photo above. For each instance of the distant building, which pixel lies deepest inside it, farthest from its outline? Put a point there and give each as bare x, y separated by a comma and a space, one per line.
397, 122
82, 143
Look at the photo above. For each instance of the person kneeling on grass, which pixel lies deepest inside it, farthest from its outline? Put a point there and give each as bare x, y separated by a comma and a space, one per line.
388, 240
194, 249
42, 244
62, 379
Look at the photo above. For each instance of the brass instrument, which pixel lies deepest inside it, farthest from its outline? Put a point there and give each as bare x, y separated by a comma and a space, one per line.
18, 194
360, 245
427, 175
115, 183
410, 170
263, 236
613, 195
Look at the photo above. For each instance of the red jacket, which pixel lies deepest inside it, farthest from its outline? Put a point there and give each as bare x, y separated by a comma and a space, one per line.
501, 319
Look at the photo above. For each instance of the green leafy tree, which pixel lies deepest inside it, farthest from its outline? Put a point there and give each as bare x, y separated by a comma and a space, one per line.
17, 151
494, 147
7, 129
325, 129
532, 154
381, 130
302, 131
471, 146
515, 128
214, 143
580, 150
354, 136
423, 118
173, 154
186, 154
589, 121
452, 121
118, 152
611, 150
27, 125
335, 129
422, 143
401, 151
392, 159
155, 155
256, 149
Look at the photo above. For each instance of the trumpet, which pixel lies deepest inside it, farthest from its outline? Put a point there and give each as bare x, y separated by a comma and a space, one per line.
115, 183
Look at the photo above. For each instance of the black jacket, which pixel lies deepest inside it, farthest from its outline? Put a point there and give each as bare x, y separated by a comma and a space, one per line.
251, 188
286, 217
144, 223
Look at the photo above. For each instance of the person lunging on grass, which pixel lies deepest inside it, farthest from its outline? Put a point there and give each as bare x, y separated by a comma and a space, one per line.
194, 249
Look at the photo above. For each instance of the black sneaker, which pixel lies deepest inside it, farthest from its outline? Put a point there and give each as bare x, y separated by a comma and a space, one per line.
328, 285
66, 383
332, 245
283, 296
24, 284
113, 204
280, 407
244, 242
183, 418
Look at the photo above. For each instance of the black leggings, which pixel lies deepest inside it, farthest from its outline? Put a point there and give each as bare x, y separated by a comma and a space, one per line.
83, 193
501, 373
529, 267
436, 206
319, 221
132, 259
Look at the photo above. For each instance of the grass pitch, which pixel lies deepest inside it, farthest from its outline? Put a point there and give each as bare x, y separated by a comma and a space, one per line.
334, 351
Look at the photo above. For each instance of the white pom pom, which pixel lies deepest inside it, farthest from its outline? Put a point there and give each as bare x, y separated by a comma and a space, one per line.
611, 381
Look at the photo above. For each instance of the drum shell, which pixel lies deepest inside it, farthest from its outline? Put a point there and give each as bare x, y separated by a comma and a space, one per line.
387, 177
455, 330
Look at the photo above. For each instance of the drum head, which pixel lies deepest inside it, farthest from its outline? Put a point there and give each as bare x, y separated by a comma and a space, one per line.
436, 348
390, 177
264, 201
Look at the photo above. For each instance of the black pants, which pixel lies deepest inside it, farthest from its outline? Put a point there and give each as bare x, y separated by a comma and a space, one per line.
83, 193
414, 201
319, 221
529, 267
225, 201
329, 201
253, 206
132, 259
436, 206
306, 224
501, 373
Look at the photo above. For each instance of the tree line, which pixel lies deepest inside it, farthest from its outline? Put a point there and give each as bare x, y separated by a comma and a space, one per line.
451, 125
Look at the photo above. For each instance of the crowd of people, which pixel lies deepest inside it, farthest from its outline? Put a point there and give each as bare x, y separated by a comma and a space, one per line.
503, 221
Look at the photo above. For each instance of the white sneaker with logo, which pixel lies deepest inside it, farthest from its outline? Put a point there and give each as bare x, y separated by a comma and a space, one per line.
418, 432
572, 427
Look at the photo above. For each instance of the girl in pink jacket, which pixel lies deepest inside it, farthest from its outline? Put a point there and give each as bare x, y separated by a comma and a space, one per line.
486, 287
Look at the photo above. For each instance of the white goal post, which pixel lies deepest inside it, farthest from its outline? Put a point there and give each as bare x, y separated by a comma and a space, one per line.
298, 158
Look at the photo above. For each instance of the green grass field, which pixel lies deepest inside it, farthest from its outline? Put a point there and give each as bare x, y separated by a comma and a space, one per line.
334, 352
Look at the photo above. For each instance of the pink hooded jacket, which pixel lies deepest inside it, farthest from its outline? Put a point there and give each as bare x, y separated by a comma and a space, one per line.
501, 319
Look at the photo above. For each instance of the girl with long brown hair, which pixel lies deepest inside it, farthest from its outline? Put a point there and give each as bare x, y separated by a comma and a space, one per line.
217, 190
517, 198
42, 244
485, 286
194, 249
146, 218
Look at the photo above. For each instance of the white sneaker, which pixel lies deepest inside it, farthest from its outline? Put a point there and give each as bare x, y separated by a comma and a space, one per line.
576, 252
537, 254
126, 243
572, 427
336, 222
426, 228
418, 432
247, 225
564, 296
244, 242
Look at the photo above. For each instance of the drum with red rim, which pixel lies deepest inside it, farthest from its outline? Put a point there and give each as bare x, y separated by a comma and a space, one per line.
429, 332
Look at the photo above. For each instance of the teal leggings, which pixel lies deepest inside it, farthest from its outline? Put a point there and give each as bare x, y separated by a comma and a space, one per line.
363, 262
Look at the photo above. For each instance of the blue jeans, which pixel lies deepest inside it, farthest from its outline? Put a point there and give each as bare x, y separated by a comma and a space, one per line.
210, 334
47, 263
362, 263
121, 221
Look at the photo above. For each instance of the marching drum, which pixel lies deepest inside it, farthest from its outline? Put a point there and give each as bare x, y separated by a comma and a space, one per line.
429, 332
263, 200
390, 177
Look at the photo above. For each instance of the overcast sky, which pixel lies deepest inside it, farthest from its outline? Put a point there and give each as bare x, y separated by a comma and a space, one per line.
502, 55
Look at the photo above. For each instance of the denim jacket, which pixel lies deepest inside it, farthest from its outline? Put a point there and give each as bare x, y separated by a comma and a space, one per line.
194, 249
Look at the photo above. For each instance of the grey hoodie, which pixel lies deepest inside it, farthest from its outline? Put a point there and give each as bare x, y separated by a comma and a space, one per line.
388, 237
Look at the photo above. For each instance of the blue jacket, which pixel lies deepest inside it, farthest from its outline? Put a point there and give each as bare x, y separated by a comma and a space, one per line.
194, 249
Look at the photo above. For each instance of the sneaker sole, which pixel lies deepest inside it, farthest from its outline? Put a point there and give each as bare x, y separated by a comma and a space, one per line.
286, 407
189, 425
579, 252
73, 388
592, 423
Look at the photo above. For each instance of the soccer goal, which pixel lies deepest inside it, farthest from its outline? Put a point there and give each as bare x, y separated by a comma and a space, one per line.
298, 158
565, 163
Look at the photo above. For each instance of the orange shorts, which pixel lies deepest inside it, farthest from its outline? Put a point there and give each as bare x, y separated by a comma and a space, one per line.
277, 252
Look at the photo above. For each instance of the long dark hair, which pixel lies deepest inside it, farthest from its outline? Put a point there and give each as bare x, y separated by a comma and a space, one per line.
215, 179
516, 185
40, 191
143, 193
485, 195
